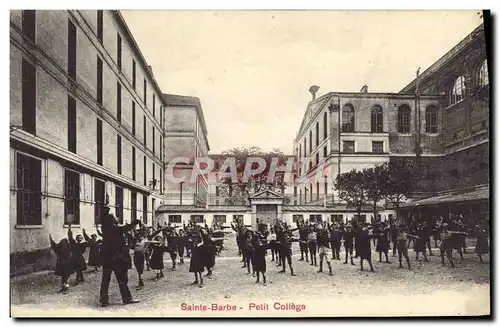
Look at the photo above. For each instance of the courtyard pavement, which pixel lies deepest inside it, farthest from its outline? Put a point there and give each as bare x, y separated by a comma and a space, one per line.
428, 289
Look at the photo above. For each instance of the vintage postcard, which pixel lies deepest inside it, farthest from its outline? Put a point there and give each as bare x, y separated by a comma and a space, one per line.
249, 163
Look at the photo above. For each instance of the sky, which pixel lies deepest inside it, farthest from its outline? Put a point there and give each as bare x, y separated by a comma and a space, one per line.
252, 69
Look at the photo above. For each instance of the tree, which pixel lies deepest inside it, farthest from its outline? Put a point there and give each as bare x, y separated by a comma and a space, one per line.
402, 177
237, 191
375, 180
350, 187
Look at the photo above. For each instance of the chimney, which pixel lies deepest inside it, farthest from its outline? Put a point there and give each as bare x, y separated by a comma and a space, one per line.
314, 89
364, 89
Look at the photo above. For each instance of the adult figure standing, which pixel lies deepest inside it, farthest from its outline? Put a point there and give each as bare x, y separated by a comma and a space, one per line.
116, 257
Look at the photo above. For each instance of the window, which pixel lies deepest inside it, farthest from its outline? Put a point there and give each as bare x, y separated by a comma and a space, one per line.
119, 102
29, 24
317, 134
317, 158
297, 218
317, 190
483, 74
325, 151
220, 219
99, 199
133, 74
337, 218
176, 219
99, 141
310, 141
378, 146
145, 172
326, 189
29, 97
99, 25
153, 206
238, 218
145, 209
161, 117
458, 90
377, 120
71, 50
71, 197
154, 179
295, 195
144, 130
300, 196
133, 118
305, 147
154, 134
315, 218
431, 119
133, 205
133, 163
119, 154
348, 146
145, 93
197, 219
361, 219
29, 190
325, 125
119, 204
310, 192
119, 50
154, 109
347, 119
71, 124
99, 81
404, 119
300, 152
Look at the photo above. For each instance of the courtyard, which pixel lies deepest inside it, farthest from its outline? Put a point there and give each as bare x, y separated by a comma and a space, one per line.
428, 289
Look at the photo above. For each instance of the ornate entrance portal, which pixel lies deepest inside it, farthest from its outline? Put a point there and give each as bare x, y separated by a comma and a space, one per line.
266, 207
266, 213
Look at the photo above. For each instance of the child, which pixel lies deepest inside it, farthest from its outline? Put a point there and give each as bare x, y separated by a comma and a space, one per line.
196, 265
482, 246
419, 243
94, 254
64, 269
77, 248
172, 245
312, 246
260, 260
364, 247
348, 236
140, 247
401, 242
446, 246
323, 249
158, 248
248, 251
383, 244
181, 245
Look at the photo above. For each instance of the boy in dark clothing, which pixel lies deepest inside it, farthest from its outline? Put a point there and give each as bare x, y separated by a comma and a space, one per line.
348, 236
322, 241
335, 240
64, 268
95, 248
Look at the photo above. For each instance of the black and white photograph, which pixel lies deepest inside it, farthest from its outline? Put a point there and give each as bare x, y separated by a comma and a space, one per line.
250, 163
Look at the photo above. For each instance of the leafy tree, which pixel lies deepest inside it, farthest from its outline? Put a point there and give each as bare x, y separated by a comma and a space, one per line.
375, 184
351, 189
402, 177
237, 191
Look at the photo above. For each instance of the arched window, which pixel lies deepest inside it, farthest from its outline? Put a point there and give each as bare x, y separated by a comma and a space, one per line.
404, 120
325, 125
317, 134
377, 120
458, 90
483, 75
305, 147
348, 119
431, 119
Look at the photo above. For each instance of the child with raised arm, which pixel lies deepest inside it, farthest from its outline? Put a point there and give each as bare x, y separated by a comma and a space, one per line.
77, 248
94, 254
64, 268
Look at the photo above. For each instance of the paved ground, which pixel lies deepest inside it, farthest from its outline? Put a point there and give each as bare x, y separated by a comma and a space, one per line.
428, 289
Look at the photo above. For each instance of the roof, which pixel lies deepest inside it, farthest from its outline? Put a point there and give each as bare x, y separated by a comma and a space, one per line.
455, 51
192, 208
481, 193
320, 208
188, 101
